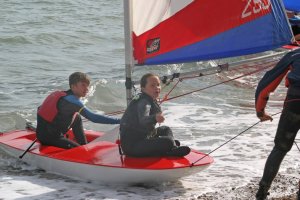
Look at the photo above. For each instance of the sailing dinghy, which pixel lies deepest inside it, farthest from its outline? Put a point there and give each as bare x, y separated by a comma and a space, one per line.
159, 33
100, 161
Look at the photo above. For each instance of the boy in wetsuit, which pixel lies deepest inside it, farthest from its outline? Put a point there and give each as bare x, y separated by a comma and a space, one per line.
61, 111
139, 137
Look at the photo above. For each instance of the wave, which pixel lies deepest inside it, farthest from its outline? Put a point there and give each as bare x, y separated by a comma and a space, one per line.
14, 40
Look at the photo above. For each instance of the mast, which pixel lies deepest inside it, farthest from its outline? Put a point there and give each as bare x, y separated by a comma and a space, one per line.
128, 48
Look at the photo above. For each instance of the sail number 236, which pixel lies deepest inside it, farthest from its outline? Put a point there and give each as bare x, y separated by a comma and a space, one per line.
255, 6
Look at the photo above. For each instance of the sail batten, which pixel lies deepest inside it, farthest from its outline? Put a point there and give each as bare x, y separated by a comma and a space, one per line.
205, 29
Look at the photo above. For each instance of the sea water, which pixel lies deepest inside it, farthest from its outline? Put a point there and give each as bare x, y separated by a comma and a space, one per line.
42, 42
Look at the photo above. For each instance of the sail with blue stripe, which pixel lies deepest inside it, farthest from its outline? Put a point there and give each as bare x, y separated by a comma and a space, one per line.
179, 31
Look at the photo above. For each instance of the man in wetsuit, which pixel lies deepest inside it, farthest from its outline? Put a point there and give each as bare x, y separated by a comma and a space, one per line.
289, 122
139, 137
61, 111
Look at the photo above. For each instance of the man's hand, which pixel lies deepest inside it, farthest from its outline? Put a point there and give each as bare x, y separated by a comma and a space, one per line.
264, 116
160, 118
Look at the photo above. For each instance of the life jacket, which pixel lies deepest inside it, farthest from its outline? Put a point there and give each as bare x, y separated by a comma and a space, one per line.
48, 109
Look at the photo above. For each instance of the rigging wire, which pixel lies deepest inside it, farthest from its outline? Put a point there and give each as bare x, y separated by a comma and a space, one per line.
176, 75
228, 141
166, 98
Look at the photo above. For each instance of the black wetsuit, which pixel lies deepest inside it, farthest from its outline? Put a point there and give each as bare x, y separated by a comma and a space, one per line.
69, 110
288, 127
139, 137
289, 123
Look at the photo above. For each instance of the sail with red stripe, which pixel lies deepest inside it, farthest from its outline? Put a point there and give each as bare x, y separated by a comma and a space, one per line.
178, 31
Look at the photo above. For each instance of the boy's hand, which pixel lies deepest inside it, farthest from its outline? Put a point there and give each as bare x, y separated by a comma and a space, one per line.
160, 118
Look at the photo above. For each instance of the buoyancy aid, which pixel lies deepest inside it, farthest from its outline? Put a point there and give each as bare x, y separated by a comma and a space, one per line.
48, 110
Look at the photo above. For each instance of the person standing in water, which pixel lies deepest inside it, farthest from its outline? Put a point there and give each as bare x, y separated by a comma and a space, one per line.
138, 135
289, 122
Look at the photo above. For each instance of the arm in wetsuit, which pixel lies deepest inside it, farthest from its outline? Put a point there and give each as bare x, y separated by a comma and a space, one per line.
145, 118
96, 118
270, 81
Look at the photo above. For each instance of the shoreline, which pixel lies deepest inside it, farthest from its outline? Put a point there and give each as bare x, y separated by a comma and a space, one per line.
284, 187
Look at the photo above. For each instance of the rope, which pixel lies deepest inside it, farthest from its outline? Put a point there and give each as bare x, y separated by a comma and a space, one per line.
184, 94
115, 112
176, 75
297, 145
228, 141
166, 96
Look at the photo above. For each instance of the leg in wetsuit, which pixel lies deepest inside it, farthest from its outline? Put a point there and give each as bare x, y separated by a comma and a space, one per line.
48, 134
157, 145
162, 144
78, 131
288, 126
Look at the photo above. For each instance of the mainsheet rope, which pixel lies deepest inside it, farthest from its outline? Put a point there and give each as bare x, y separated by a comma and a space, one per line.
228, 141
286, 101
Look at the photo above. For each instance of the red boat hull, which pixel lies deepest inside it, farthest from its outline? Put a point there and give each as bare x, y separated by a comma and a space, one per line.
103, 158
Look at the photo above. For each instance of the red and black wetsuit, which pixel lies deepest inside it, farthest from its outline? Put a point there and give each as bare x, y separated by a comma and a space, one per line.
61, 111
289, 123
